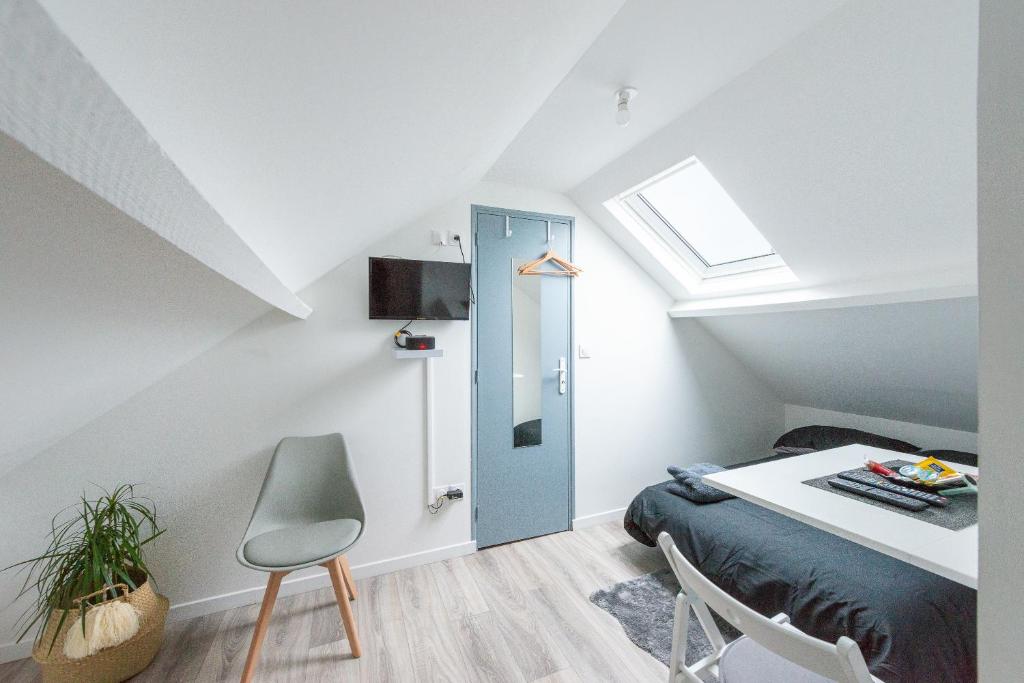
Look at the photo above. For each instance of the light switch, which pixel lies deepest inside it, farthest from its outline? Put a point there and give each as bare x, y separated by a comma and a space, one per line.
584, 353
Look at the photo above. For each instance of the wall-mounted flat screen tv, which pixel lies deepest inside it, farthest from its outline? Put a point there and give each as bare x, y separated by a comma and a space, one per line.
404, 289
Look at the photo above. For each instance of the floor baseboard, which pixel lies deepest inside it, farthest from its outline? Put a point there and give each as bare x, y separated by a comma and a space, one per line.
309, 582
12, 651
599, 518
300, 584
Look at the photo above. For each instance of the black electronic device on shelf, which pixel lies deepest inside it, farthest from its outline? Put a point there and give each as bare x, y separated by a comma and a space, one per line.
414, 342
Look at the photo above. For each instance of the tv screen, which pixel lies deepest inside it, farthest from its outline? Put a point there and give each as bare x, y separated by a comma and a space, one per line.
404, 289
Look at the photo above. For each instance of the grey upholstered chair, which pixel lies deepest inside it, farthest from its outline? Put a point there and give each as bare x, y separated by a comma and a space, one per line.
308, 513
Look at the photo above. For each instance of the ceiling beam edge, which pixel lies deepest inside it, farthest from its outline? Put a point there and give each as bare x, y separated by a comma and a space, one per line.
813, 300
54, 102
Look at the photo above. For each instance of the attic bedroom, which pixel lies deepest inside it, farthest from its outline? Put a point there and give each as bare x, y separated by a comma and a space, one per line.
605, 340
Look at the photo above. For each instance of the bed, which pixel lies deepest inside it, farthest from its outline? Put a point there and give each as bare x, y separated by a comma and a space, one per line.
911, 625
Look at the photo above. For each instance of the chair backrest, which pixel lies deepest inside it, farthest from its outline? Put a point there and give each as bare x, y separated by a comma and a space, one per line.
841, 661
310, 479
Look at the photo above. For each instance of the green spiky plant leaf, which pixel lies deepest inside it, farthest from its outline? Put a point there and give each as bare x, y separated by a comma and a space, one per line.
93, 544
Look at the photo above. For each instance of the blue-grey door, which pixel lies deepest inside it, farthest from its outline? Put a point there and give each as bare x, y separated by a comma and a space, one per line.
524, 377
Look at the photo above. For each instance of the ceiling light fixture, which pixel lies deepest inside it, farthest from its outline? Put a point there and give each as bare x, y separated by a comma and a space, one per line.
623, 97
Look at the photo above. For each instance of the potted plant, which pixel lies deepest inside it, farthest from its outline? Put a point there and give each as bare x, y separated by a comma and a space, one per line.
96, 555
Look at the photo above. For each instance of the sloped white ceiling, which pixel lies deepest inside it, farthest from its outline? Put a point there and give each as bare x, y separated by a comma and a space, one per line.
315, 127
94, 306
852, 149
915, 362
676, 52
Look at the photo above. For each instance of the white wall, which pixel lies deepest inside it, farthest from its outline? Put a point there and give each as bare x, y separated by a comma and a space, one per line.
915, 362
93, 306
201, 438
654, 392
1001, 369
923, 436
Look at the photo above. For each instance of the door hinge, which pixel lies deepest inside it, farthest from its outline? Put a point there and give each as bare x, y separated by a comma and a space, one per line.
476, 514
476, 376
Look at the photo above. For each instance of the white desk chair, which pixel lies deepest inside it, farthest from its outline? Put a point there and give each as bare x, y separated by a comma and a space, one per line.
770, 651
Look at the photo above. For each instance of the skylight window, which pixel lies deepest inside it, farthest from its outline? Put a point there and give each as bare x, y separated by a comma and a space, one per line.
699, 212
693, 215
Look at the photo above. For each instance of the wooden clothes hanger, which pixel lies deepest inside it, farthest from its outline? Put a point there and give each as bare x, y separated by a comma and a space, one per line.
567, 268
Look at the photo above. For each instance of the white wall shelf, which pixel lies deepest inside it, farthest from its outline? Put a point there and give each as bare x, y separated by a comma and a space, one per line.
411, 353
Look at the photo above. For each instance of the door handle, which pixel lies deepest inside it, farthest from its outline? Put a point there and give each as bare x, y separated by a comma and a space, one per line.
563, 372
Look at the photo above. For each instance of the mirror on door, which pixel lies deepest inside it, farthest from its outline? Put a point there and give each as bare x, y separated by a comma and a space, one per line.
527, 371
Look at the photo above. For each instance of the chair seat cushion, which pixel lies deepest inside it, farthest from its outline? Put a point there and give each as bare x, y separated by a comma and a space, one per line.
744, 661
297, 545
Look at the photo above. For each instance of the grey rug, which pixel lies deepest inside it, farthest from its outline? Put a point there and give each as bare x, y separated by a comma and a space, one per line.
961, 512
645, 607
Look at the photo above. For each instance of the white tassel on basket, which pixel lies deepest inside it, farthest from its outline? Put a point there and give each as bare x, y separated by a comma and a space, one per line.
76, 643
116, 622
106, 625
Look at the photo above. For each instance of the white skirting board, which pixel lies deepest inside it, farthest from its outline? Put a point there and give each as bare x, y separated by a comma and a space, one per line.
248, 596
599, 518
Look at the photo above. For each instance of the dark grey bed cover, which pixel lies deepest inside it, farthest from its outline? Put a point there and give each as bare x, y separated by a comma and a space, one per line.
911, 625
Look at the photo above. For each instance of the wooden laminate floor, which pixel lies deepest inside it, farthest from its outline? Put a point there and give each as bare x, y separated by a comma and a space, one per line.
518, 612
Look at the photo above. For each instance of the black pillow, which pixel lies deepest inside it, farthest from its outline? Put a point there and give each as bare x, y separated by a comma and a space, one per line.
820, 438
526, 434
944, 455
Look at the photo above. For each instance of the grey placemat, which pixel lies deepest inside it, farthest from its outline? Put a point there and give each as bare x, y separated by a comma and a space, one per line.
961, 512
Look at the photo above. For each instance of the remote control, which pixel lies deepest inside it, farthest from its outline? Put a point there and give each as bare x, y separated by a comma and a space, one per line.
865, 478
879, 495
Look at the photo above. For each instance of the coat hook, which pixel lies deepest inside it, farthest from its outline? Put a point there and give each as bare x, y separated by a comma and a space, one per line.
508, 227
549, 231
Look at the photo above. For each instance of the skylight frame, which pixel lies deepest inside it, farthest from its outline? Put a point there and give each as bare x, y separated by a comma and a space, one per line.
647, 216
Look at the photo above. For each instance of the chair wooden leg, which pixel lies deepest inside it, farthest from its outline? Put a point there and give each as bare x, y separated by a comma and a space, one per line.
262, 622
341, 593
680, 627
346, 572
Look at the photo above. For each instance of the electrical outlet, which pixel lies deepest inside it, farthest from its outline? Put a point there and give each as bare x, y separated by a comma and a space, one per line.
439, 238
440, 491
454, 237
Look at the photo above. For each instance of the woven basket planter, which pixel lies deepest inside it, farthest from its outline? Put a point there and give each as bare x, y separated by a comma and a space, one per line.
113, 664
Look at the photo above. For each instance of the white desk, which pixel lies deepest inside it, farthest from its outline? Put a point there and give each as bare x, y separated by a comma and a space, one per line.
776, 485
